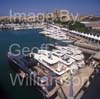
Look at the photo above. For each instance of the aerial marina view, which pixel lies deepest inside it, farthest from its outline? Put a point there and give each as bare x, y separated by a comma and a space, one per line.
50, 49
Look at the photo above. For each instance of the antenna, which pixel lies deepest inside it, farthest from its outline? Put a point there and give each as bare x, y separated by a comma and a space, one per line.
71, 90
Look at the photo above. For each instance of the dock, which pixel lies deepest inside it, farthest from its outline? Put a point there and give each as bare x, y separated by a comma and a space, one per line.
87, 45
83, 77
87, 51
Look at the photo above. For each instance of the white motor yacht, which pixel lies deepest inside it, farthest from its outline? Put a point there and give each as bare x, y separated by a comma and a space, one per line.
60, 61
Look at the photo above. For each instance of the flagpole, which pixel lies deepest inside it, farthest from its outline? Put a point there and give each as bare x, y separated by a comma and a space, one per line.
71, 90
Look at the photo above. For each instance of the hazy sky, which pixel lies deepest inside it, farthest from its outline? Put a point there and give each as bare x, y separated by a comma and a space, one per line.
83, 7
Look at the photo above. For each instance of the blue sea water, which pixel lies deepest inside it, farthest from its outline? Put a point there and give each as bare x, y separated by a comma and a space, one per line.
26, 38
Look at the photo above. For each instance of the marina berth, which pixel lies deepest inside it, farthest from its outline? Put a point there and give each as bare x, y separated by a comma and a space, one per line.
86, 41
87, 46
57, 64
65, 64
70, 36
20, 26
55, 32
61, 60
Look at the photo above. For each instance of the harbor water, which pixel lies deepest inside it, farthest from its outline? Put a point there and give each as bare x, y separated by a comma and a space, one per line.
25, 38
